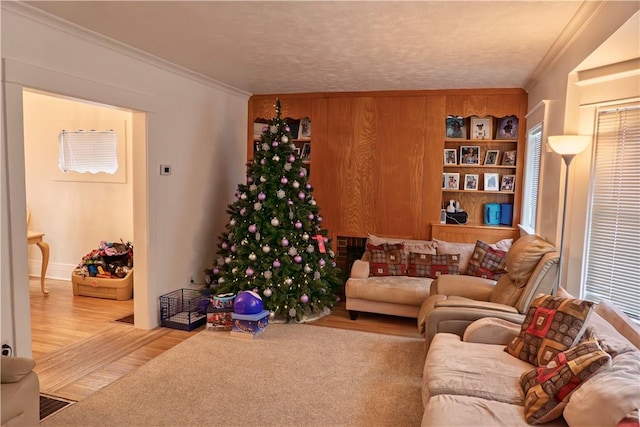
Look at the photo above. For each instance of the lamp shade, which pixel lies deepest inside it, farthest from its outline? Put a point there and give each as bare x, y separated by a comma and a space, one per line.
569, 144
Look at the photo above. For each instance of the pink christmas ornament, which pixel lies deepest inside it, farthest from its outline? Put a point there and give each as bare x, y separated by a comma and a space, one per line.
253, 228
302, 173
297, 259
285, 242
301, 195
289, 202
262, 196
321, 262
308, 186
298, 225
249, 179
291, 158
243, 211
276, 263
262, 161
310, 216
283, 180
287, 128
304, 299
249, 271
274, 144
233, 248
216, 271
224, 245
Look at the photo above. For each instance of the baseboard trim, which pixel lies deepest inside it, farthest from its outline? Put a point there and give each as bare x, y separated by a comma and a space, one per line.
55, 270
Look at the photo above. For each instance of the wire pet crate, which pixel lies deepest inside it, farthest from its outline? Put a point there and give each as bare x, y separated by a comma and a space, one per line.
184, 309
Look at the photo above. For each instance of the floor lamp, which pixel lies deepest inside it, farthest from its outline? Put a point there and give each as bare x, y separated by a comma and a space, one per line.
566, 146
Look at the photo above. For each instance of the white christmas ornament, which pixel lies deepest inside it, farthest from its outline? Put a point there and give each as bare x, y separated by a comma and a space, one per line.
267, 274
243, 196
252, 256
273, 128
310, 249
265, 146
284, 139
221, 280
258, 235
287, 167
257, 206
288, 281
266, 249
234, 270
253, 187
267, 292
227, 260
280, 194
316, 275
263, 179
295, 184
276, 158
232, 222
305, 236
312, 202
307, 269
275, 222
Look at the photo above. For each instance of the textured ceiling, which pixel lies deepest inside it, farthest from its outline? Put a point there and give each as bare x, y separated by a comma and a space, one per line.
287, 47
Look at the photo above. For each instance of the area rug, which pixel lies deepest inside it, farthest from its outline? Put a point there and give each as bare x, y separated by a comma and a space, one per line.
291, 375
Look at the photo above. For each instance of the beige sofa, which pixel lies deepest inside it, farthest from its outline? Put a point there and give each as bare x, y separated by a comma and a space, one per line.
20, 392
402, 295
473, 381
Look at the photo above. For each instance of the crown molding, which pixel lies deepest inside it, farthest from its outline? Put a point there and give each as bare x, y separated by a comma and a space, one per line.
80, 32
565, 40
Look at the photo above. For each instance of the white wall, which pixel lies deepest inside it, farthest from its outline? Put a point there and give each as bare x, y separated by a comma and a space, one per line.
197, 126
556, 85
75, 211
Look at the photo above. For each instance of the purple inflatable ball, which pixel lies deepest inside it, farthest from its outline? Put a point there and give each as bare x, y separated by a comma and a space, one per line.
248, 302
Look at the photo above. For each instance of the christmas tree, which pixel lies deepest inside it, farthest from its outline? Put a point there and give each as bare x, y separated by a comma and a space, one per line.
273, 243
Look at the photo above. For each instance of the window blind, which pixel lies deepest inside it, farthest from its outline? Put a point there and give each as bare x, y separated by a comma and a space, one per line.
88, 151
532, 178
613, 248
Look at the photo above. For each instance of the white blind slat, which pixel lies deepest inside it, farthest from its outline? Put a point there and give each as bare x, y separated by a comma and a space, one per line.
613, 251
88, 151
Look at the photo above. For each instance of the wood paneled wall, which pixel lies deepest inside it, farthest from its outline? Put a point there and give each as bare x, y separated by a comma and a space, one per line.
377, 156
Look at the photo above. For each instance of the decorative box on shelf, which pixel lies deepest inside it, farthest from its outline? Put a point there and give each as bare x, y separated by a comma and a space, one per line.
98, 287
249, 325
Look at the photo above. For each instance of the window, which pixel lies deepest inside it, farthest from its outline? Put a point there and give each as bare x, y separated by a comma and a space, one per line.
531, 179
88, 151
613, 246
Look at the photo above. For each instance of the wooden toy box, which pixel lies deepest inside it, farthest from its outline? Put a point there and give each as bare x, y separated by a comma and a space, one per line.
118, 289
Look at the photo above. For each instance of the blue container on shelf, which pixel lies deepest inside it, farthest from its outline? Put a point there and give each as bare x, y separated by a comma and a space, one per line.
492, 214
506, 213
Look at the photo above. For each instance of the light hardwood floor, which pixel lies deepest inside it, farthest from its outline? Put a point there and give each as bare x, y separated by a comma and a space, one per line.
79, 348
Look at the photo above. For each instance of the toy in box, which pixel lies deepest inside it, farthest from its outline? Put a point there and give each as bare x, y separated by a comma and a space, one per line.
249, 325
219, 319
223, 301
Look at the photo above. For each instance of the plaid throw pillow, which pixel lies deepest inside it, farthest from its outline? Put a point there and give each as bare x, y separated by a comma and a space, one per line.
551, 325
428, 265
487, 262
387, 260
547, 389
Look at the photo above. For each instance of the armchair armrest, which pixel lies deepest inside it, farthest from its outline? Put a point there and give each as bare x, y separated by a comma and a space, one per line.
15, 369
491, 330
469, 303
360, 269
472, 287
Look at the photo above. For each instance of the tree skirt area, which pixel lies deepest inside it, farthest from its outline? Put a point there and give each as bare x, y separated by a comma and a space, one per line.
292, 374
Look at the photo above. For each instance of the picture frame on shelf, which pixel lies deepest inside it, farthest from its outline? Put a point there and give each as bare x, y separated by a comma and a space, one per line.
491, 157
444, 180
481, 127
305, 155
491, 182
470, 155
455, 128
450, 156
298, 152
507, 128
453, 181
509, 158
471, 181
508, 183
258, 129
304, 131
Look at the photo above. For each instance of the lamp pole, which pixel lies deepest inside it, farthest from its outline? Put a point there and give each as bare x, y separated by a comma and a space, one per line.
567, 161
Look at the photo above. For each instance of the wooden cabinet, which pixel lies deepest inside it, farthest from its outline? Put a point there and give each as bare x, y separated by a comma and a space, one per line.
378, 160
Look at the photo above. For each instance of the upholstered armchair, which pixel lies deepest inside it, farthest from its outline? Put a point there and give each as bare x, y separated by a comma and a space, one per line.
20, 392
457, 301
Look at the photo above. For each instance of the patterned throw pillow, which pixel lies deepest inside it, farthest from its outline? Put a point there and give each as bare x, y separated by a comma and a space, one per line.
428, 265
552, 325
487, 262
387, 260
547, 390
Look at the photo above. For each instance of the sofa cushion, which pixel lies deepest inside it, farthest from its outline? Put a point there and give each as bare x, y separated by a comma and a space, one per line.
486, 262
390, 289
461, 368
523, 257
551, 325
386, 260
464, 250
608, 396
428, 265
452, 410
548, 389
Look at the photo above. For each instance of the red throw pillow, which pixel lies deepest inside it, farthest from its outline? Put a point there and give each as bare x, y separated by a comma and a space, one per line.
387, 260
428, 265
487, 262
